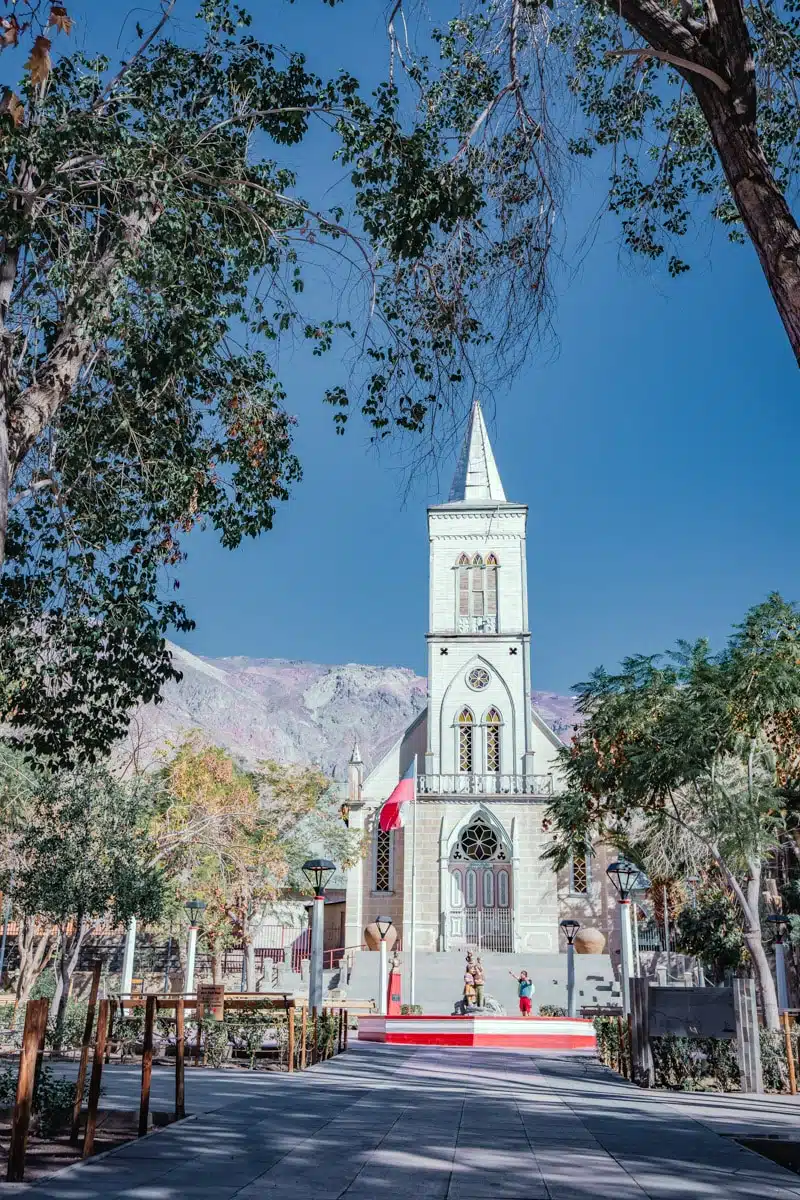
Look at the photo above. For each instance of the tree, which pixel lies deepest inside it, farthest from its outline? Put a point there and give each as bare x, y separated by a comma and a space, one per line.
84, 857
153, 250
697, 743
711, 930
691, 106
236, 838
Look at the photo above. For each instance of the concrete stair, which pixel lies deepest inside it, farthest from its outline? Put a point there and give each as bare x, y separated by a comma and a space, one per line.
439, 981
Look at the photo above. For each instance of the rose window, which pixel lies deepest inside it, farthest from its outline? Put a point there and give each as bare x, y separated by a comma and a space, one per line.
478, 678
479, 842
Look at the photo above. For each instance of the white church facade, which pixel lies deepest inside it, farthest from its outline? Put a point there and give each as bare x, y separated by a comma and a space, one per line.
486, 762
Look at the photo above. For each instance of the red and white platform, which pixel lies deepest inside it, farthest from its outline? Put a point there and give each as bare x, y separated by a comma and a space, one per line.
508, 1033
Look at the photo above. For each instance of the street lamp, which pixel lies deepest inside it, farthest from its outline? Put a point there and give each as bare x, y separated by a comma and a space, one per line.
318, 872
384, 925
623, 875
780, 924
570, 928
195, 909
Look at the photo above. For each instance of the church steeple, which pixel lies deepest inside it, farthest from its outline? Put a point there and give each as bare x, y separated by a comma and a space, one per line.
477, 477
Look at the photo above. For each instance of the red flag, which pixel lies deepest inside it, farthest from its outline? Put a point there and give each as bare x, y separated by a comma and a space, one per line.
392, 815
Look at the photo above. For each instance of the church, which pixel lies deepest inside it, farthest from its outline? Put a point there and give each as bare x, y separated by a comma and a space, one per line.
486, 762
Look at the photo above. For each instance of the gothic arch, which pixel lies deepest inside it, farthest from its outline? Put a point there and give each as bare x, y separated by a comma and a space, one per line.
448, 717
489, 818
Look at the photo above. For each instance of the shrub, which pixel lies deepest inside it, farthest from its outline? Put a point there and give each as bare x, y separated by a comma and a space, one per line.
689, 1064
412, 1010
45, 986
72, 1026
52, 1100
552, 1010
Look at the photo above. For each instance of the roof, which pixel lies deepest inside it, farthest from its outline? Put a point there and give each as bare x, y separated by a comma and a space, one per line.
476, 476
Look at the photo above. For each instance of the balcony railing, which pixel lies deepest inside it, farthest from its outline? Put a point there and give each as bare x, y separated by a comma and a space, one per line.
485, 785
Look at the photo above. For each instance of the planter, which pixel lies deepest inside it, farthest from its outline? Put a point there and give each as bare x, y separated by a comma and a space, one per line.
372, 936
589, 941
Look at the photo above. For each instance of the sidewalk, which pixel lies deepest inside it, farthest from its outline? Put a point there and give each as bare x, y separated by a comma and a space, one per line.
433, 1124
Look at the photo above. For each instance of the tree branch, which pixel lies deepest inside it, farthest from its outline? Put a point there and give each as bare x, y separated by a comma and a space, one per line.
682, 63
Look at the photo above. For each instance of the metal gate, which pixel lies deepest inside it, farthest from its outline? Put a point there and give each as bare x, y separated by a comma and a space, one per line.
489, 929
480, 909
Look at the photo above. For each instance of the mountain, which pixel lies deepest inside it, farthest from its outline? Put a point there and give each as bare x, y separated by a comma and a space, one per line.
294, 711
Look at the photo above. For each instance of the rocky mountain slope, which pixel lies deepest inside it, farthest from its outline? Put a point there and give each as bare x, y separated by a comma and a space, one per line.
293, 711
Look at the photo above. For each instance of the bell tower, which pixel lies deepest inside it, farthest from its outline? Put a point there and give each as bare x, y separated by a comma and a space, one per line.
479, 736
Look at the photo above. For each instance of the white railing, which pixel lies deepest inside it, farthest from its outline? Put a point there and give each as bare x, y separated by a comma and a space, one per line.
485, 785
489, 929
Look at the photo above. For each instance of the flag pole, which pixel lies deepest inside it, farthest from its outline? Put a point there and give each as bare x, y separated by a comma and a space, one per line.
413, 946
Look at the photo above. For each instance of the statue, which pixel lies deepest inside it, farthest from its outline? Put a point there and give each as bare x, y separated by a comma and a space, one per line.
474, 999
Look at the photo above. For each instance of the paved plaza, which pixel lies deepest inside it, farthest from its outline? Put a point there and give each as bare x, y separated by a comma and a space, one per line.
435, 1124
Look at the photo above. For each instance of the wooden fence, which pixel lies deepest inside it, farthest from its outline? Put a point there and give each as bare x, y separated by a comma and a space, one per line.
312, 1037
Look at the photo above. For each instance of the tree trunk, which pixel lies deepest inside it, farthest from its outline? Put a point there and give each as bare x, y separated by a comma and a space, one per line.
216, 965
34, 955
69, 955
250, 965
758, 955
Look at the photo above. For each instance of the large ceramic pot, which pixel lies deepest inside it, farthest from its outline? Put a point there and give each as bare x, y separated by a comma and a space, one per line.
589, 941
372, 936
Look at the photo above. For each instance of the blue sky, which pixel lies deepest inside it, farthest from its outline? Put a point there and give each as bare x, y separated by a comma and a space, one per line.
658, 452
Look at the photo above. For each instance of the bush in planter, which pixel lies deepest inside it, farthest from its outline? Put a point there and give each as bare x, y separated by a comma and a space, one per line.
52, 1100
691, 1064
552, 1010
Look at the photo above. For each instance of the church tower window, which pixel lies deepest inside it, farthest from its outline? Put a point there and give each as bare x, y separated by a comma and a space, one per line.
466, 729
477, 594
493, 723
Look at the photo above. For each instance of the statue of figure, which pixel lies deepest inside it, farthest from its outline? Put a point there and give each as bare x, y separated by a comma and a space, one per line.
478, 979
469, 987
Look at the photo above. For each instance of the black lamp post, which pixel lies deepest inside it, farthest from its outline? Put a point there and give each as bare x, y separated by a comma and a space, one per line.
318, 872
624, 876
780, 923
570, 927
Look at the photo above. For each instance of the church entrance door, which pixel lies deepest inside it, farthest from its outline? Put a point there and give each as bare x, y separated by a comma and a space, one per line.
480, 909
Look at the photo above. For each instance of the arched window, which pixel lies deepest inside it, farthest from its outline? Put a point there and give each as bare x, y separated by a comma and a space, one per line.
493, 722
463, 588
382, 876
579, 877
477, 593
466, 724
491, 586
478, 585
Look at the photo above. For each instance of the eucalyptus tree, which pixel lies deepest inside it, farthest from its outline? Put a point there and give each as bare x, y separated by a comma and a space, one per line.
154, 248
697, 743
691, 107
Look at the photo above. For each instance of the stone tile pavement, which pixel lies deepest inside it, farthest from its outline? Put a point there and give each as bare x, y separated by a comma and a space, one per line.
432, 1124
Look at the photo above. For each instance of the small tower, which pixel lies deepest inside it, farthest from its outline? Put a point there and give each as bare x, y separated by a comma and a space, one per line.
355, 775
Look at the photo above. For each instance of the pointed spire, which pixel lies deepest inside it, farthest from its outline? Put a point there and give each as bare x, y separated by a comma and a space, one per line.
476, 477
355, 757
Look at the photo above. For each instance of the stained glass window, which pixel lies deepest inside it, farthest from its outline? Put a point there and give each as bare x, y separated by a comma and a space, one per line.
479, 841
493, 723
465, 732
478, 678
383, 861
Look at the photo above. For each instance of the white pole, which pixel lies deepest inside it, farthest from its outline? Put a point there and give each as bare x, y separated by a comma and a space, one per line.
127, 959
384, 983
571, 980
637, 962
315, 978
412, 989
780, 976
627, 954
191, 954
